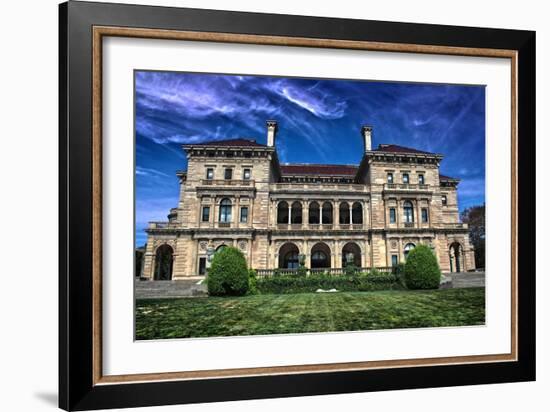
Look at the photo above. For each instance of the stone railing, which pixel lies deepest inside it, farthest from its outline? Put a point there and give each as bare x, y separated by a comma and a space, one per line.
316, 226
405, 186
227, 182
320, 186
325, 271
160, 225
454, 225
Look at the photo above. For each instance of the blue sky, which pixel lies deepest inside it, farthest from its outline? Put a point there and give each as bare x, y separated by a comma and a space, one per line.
319, 122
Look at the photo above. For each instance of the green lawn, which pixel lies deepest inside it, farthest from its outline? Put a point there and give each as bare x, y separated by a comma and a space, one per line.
308, 312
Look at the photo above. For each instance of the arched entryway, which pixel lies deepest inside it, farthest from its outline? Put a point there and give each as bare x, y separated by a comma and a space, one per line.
164, 261
320, 256
456, 257
351, 248
289, 256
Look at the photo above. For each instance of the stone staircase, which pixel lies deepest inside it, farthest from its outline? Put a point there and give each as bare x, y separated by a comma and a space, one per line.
157, 289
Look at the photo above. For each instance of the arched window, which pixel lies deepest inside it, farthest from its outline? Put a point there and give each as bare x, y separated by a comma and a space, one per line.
408, 247
351, 253
408, 212
225, 211
357, 213
314, 213
296, 213
282, 213
289, 256
344, 214
320, 256
327, 213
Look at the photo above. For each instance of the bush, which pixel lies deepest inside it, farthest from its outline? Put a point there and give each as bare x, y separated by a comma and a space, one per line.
252, 282
421, 269
302, 271
399, 272
228, 274
351, 270
285, 284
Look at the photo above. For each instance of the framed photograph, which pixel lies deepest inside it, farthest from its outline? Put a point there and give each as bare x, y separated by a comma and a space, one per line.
256, 205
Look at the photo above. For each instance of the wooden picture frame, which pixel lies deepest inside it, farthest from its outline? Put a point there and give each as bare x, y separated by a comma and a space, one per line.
82, 27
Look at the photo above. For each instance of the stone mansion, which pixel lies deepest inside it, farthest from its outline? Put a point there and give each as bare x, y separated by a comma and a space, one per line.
236, 192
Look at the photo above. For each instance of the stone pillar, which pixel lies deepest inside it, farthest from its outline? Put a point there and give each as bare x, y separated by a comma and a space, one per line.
321, 213
418, 216
289, 213
350, 213
305, 213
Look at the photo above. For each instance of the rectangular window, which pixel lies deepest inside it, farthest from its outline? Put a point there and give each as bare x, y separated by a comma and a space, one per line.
228, 174
206, 213
420, 179
244, 214
392, 215
406, 178
246, 174
202, 266
424, 215
444, 200
210, 173
390, 178
394, 260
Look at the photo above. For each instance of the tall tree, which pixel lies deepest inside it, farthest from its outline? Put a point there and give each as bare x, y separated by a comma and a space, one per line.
475, 218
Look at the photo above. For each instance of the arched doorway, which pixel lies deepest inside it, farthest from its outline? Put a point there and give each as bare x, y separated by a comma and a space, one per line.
296, 213
408, 247
164, 260
455, 257
289, 256
353, 249
320, 256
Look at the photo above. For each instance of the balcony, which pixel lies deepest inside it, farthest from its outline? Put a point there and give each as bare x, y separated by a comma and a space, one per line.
316, 187
227, 182
316, 226
161, 225
405, 187
455, 225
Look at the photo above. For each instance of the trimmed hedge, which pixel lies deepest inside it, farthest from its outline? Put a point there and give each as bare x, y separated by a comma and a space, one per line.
421, 269
285, 284
228, 274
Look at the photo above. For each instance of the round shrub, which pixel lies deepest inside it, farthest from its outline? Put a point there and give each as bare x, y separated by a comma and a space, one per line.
421, 269
228, 274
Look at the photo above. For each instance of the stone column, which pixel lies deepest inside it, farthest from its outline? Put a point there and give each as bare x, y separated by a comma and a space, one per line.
289, 213
237, 217
350, 213
418, 216
305, 214
321, 213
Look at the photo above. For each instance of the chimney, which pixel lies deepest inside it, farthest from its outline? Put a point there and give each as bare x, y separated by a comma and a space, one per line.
271, 131
366, 131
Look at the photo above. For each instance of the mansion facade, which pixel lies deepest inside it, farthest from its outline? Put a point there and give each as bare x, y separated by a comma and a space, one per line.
237, 193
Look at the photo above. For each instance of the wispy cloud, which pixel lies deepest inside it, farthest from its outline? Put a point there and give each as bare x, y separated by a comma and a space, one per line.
319, 122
